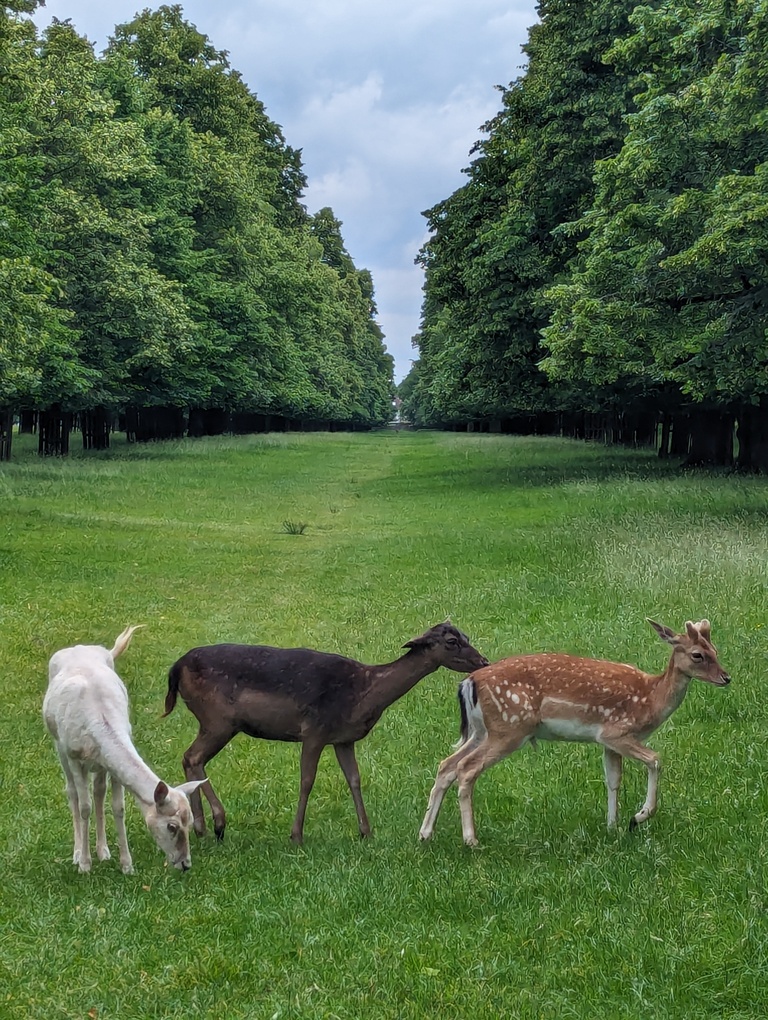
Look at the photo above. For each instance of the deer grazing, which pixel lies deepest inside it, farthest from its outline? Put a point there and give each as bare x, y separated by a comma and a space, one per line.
561, 697
297, 694
86, 712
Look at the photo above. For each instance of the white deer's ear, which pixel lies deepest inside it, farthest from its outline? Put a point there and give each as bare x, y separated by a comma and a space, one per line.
191, 786
161, 793
664, 632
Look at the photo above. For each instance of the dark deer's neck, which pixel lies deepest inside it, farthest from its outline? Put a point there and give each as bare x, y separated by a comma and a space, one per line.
391, 681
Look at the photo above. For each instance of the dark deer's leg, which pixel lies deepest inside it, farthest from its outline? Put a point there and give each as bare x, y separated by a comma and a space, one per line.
205, 746
345, 755
310, 756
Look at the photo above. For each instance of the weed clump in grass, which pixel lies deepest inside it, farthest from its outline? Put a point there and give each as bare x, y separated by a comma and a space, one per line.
294, 527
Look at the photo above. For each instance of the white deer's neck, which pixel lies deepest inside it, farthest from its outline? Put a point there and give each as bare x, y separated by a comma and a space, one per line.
126, 765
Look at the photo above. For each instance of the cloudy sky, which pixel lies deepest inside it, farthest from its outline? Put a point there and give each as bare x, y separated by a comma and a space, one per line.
385, 98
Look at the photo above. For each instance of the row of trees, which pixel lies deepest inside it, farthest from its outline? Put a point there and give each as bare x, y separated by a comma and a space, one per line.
154, 249
604, 267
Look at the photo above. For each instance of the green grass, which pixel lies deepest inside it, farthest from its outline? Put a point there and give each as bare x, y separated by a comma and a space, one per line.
528, 544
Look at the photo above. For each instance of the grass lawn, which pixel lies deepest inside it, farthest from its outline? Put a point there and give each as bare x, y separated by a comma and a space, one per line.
528, 544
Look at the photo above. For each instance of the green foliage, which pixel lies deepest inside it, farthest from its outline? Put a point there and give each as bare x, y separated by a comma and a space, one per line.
496, 242
610, 245
671, 282
162, 255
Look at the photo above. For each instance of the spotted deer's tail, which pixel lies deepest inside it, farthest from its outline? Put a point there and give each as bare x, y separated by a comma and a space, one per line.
470, 712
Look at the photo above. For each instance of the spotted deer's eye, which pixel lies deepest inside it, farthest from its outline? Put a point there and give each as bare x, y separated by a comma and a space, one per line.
697, 656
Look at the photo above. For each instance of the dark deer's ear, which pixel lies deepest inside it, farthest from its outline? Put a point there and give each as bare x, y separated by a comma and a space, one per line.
664, 632
424, 641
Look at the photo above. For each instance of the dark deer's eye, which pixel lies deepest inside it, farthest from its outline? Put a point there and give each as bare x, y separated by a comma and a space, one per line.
452, 642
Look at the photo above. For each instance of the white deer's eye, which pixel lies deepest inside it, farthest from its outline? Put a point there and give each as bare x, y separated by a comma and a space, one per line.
173, 828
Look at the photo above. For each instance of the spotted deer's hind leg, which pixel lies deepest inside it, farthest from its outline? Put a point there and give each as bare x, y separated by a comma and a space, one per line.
446, 777
488, 753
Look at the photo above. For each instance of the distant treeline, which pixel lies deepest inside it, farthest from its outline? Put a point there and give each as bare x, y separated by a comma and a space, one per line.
157, 266
604, 270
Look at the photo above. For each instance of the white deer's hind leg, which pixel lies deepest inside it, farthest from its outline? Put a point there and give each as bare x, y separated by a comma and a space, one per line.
446, 777
99, 795
74, 807
118, 810
612, 767
82, 785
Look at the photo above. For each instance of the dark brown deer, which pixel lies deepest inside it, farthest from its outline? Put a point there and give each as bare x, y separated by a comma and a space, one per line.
561, 697
301, 695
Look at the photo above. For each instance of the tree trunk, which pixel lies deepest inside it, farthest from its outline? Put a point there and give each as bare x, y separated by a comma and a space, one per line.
54, 426
680, 443
6, 433
666, 431
95, 426
711, 439
145, 424
753, 438
27, 422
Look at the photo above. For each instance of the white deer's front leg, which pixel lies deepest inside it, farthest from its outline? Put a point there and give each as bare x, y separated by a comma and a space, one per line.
118, 810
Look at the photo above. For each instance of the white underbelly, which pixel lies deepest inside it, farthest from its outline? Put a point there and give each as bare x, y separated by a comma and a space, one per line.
568, 729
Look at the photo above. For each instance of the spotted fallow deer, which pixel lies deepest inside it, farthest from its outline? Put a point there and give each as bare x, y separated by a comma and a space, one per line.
561, 697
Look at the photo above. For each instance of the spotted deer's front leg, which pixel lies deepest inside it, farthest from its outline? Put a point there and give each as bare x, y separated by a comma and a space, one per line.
612, 767
628, 747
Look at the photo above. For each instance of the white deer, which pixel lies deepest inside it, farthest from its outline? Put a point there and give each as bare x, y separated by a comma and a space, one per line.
562, 697
86, 712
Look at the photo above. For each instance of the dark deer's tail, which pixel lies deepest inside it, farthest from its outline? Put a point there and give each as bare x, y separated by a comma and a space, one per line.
174, 676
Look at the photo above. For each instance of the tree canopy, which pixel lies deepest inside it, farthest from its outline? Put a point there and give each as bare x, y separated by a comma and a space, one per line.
157, 252
607, 251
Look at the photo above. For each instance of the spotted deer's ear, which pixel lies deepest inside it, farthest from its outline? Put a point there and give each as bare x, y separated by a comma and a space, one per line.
664, 632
